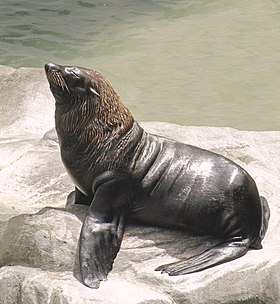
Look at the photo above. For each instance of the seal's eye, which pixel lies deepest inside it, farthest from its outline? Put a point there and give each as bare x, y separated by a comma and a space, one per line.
74, 78
73, 72
76, 72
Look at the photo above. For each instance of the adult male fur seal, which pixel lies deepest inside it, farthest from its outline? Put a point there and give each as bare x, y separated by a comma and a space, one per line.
123, 172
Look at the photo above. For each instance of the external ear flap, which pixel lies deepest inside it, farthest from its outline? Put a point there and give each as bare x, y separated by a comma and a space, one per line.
94, 92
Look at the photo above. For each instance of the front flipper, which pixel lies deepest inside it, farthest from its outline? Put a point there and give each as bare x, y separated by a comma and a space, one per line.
225, 252
102, 232
99, 245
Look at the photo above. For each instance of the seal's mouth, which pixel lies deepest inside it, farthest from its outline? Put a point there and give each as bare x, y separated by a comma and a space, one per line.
55, 78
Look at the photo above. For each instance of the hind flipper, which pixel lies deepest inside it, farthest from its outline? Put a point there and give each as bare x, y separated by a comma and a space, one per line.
227, 251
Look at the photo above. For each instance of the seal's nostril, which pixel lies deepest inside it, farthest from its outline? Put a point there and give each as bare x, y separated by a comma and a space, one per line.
49, 66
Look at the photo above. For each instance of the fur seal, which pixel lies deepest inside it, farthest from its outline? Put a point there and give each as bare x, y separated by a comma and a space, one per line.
124, 173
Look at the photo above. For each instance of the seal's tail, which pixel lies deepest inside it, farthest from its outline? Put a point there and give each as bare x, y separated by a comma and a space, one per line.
265, 218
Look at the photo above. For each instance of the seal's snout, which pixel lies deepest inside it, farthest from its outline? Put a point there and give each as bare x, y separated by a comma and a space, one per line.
51, 66
55, 77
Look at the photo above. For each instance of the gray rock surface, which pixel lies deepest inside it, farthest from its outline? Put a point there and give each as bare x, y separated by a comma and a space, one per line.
39, 237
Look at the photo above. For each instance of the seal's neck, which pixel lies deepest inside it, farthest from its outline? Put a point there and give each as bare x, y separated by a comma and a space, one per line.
87, 124
92, 128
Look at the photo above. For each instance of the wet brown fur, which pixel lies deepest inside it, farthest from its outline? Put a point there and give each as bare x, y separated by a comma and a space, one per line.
89, 122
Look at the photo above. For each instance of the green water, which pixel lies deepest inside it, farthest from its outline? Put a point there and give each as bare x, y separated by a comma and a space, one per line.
197, 62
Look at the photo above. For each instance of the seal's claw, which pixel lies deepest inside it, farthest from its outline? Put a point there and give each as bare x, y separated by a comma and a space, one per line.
92, 283
161, 268
167, 268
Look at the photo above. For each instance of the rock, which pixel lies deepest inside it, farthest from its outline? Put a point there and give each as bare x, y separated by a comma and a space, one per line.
26, 103
47, 240
30, 285
39, 237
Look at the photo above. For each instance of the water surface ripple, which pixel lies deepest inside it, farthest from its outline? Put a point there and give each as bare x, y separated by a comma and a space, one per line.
192, 62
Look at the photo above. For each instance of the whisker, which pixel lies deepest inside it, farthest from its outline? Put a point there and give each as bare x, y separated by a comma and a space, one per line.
55, 78
62, 82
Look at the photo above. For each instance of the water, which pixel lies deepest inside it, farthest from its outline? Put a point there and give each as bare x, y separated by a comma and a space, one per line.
199, 62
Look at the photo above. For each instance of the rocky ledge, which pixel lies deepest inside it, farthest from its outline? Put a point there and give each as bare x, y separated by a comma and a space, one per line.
39, 237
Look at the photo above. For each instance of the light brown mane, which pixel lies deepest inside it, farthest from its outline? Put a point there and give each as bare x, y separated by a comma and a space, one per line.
94, 123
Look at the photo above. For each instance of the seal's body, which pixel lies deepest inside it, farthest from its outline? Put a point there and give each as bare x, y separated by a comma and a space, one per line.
124, 173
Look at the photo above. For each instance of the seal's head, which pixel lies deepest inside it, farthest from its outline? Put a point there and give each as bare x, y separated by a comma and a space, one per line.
86, 99
66, 81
